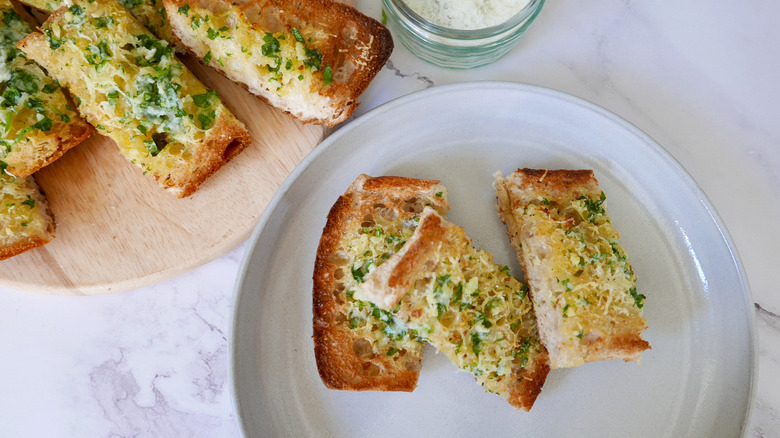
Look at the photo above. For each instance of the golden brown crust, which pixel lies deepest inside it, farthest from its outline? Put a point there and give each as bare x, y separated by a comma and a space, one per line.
23, 246
348, 40
560, 187
338, 364
74, 133
228, 138
557, 185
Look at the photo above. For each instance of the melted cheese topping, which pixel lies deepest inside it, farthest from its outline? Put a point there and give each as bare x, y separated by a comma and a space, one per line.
130, 85
591, 278
475, 312
32, 105
272, 63
22, 211
370, 247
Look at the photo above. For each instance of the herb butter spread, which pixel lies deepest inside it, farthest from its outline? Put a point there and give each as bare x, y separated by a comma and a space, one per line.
467, 14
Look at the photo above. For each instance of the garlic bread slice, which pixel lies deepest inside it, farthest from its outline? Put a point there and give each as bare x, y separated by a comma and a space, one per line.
311, 59
357, 345
131, 87
583, 287
457, 298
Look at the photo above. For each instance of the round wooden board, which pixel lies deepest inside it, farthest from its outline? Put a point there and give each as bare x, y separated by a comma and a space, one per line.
118, 230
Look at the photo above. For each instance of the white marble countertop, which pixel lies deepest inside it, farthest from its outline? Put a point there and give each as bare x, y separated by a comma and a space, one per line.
699, 77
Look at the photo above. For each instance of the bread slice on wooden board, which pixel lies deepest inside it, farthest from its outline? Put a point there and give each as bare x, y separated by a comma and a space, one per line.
149, 12
468, 307
582, 284
357, 345
37, 121
131, 87
25, 219
311, 59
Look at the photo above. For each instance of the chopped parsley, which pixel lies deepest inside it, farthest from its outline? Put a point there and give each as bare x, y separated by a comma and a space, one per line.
638, 298
30, 202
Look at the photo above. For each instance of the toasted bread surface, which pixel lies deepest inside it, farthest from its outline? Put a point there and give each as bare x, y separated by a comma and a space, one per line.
37, 121
357, 345
25, 219
149, 12
311, 59
131, 87
583, 287
468, 307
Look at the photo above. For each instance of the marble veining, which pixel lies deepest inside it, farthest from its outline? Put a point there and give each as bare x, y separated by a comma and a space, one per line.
699, 78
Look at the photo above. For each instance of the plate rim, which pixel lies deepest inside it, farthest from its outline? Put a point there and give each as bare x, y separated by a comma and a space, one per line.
454, 88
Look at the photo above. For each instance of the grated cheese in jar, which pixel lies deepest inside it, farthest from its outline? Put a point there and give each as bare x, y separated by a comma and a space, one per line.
467, 14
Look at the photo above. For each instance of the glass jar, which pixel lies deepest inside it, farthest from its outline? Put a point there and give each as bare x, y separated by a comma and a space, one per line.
457, 48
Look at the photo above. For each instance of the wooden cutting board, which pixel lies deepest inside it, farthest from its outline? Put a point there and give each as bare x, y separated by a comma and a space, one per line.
117, 230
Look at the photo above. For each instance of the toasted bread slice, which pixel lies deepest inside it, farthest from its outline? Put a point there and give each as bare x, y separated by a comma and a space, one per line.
37, 122
471, 309
132, 88
357, 345
311, 59
149, 12
25, 219
582, 284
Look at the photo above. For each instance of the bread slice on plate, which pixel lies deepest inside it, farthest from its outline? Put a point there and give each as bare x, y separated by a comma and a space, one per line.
357, 345
583, 287
131, 87
311, 59
25, 219
468, 307
38, 123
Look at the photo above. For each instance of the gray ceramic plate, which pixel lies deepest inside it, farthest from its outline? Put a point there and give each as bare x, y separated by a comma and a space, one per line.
696, 381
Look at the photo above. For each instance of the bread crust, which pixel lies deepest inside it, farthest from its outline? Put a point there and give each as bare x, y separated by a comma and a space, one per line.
55, 146
553, 190
344, 37
338, 363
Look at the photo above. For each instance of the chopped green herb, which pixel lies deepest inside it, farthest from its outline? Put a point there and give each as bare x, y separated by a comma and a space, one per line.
184, 9
104, 22
638, 298
297, 35
327, 75
30, 202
